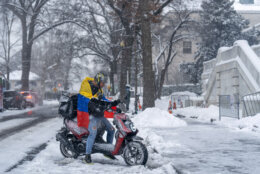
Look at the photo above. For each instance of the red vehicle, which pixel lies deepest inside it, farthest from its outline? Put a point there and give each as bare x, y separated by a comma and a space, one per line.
73, 140
30, 97
3, 84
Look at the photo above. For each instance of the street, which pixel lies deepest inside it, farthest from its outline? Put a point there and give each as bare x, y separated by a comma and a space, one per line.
22, 133
208, 148
199, 147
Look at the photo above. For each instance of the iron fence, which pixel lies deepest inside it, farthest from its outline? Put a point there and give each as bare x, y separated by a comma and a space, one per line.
181, 101
229, 106
251, 103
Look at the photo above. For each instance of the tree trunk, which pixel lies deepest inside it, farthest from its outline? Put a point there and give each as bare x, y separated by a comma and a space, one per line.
162, 77
126, 62
68, 67
148, 73
136, 73
25, 57
8, 77
111, 76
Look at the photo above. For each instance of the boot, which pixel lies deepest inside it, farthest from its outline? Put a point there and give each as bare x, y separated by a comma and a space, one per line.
87, 159
109, 156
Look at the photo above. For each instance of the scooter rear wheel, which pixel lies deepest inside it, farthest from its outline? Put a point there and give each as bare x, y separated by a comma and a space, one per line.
66, 152
135, 153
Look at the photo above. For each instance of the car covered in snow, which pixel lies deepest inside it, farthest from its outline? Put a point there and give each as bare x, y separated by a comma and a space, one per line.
30, 97
13, 99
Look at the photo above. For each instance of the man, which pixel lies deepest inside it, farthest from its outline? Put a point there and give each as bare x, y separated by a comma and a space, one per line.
92, 88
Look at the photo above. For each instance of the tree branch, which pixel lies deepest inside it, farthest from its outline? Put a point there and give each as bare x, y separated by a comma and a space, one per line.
160, 9
51, 27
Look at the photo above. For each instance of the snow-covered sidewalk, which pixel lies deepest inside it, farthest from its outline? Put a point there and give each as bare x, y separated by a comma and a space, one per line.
246, 124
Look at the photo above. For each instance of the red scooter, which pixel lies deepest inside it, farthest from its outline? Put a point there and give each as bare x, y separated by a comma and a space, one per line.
73, 140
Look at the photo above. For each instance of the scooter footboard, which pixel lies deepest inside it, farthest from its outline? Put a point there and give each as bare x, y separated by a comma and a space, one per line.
103, 148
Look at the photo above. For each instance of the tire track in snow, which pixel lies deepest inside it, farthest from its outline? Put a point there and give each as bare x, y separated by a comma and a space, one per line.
11, 131
29, 157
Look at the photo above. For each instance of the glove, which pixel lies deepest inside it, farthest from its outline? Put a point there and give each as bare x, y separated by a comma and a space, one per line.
115, 102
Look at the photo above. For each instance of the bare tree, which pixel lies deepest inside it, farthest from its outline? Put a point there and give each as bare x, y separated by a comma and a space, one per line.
104, 36
182, 17
7, 43
28, 12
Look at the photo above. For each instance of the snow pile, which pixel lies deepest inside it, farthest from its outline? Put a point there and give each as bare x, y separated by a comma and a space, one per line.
191, 94
205, 114
146, 122
162, 103
245, 124
155, 117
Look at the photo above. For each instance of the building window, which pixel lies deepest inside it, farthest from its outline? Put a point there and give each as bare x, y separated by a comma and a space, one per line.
246, 1
187, 47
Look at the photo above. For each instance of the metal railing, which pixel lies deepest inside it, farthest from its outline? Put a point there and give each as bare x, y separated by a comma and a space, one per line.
251, 104
229, 106
181, 101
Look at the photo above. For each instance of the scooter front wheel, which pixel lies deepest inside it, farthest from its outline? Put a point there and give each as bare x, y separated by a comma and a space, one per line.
135, 153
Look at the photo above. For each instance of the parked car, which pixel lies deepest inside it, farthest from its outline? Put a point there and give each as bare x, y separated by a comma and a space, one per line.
13, 99
30, 97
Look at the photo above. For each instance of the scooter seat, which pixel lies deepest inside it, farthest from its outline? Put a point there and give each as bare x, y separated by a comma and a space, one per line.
75, 129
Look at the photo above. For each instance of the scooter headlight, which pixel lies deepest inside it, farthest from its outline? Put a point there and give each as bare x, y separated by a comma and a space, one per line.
132, 127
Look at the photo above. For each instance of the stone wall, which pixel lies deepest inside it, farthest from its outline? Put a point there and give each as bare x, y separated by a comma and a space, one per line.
235, 71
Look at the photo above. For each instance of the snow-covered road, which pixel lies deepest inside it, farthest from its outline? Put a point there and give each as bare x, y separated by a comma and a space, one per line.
191, 147
207, 148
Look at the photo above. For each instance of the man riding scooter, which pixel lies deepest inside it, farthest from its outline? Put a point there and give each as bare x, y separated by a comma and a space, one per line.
88, 116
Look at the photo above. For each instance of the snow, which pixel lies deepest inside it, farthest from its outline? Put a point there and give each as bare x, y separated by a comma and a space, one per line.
16, 75
247, 7
50, 102
163, 135
14, 122
246, 124
244, 68
252, 61
222, 49
249, 52
155, 117
196, 5
203, 114
191, 94
18, 112
248, 74
163, 103
30, 138
50, 159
